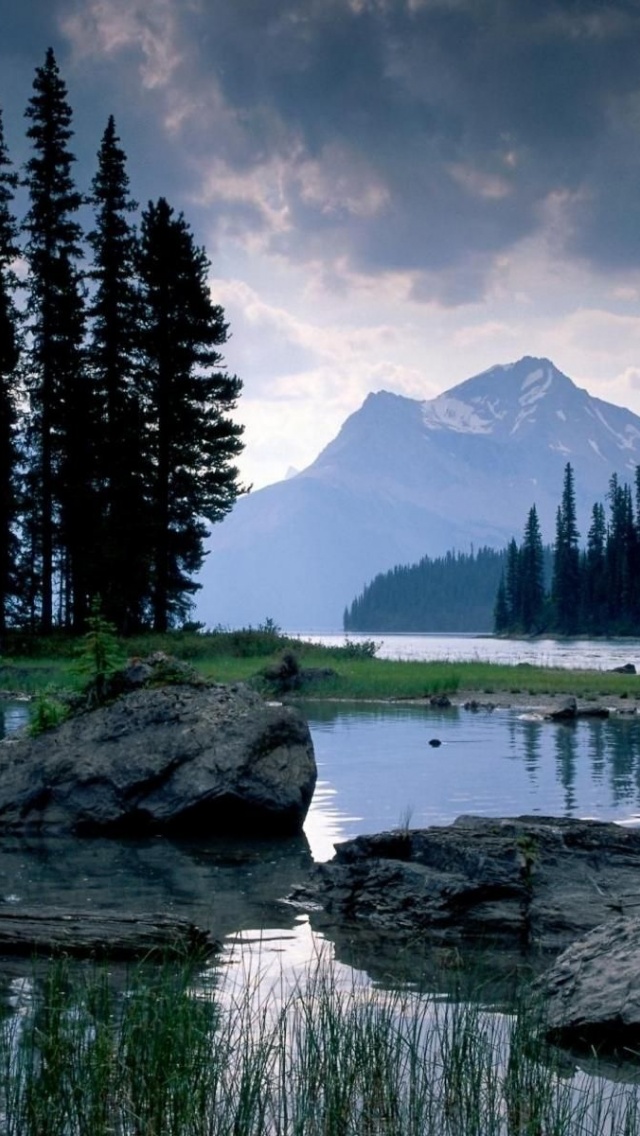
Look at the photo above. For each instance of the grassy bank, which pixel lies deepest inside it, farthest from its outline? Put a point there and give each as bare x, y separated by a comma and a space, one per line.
167, 1054
33, 665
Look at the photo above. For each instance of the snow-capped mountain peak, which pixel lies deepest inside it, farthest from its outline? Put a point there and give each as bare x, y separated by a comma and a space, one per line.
407, 478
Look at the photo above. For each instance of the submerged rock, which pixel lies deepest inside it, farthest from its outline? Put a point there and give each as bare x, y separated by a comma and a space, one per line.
183, 759
534, 880
591, 996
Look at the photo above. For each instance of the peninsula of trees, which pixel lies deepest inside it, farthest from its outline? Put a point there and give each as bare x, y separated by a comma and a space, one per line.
527, 588
116, 440
455, 592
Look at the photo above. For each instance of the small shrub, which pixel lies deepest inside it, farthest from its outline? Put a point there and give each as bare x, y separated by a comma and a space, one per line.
99, 654
366, 649
47, 711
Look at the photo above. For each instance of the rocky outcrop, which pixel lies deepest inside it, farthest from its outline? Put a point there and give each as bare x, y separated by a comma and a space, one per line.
590, 996
532, 880
571, 712
182, 759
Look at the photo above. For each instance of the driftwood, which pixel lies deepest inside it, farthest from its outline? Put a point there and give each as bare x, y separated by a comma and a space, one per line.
103, 934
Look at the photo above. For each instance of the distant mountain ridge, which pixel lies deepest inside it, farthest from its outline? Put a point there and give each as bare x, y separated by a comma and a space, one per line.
406, 478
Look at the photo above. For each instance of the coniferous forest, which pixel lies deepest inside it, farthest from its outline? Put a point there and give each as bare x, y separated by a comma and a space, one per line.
455, 592
595, 588
116, 441
528, 588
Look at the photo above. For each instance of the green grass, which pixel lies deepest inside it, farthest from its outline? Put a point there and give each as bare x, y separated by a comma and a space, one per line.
166, 1055
34, 665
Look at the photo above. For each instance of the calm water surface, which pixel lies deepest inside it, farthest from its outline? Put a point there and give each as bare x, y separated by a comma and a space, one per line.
376, 771
580, 654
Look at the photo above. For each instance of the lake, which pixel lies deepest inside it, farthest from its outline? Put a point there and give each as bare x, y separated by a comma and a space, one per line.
574, 654
376, 770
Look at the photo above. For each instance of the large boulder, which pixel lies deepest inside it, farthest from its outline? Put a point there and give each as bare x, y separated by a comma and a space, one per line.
533, 880
186, 759
590, 996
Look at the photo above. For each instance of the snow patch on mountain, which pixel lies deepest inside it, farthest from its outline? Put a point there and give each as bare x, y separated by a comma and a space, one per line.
445, 413
536, 392
533, 378
596, 449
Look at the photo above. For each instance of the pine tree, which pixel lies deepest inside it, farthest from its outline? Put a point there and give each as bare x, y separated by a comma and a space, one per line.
566, 573
501, 622
621, 555
191, 439
9, 359
121, 563
594, 591
513, 586
60, 415
531, 565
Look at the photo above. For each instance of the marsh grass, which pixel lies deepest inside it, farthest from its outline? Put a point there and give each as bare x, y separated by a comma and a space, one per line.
30, 665
164, 1054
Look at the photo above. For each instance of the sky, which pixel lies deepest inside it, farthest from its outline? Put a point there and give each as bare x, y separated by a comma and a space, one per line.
393, 194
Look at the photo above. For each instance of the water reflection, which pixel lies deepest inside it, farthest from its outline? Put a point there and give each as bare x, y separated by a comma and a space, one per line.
13, 715
377, 769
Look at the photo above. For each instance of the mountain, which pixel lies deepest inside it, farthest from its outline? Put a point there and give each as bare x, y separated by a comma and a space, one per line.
406, 478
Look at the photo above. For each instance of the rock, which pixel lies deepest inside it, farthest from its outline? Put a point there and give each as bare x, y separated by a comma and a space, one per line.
105, 934
287, 675
625, 669
590, 996
440, 701
156, 669
567, 712
571, 712
534, 880
180, 759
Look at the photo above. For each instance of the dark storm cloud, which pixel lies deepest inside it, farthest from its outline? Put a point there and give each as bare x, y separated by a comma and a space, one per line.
468, 116
422, 135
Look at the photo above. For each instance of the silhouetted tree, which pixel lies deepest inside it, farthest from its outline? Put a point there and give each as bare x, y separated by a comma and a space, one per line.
594, 573
501, 621
566, 571
9, 359
120, 569
513, 586
60, 415
190, 438
531, 571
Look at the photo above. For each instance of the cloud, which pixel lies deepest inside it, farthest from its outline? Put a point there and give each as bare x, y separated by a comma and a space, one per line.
400, 135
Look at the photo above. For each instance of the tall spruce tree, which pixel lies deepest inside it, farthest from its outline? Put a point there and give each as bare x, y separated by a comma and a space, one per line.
566, 570
9, 358
595, 587
121, 562
60, 414
512, 586
621, 556
531, 564
501, 622
191, 439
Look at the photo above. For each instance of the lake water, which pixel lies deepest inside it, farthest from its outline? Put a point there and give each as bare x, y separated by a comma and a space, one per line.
376, 770
575, 654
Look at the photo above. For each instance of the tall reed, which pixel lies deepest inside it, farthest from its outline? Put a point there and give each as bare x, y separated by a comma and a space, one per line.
168, 1054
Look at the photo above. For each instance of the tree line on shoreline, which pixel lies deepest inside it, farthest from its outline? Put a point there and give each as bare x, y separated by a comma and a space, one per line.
117, 443
455, 592
528, 588
595, 589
